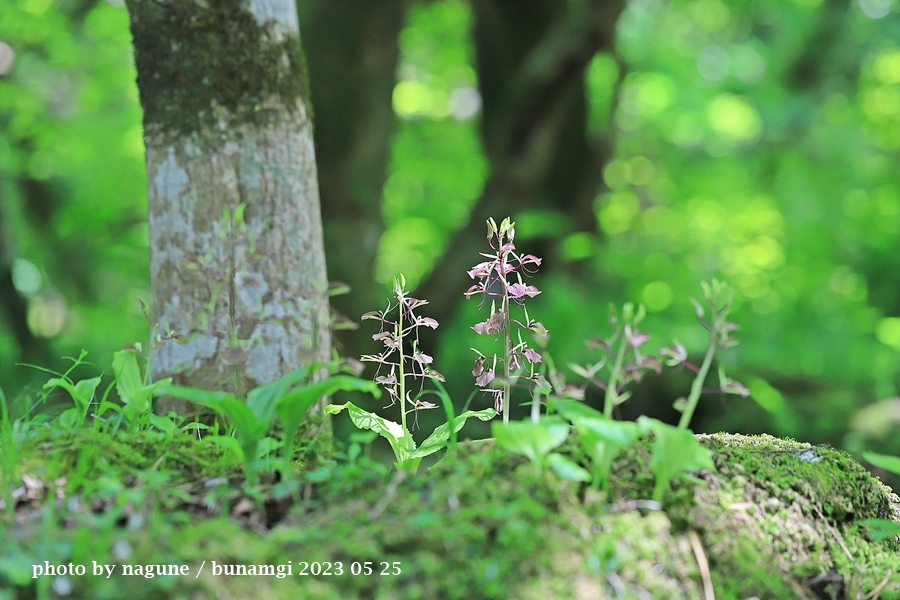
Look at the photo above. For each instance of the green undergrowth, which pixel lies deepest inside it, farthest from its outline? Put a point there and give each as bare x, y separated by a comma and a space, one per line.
774, 521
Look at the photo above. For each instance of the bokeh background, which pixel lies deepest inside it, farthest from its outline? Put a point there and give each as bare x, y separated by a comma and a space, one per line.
641, 147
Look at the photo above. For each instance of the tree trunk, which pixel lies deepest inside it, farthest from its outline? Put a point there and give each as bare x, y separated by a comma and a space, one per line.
238, 280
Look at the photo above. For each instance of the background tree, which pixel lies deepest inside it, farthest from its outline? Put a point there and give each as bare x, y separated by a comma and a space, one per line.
237, 265
753, 141
352, 52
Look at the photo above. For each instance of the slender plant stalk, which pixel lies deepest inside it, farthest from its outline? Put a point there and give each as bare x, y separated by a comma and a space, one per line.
507, 384
402, 381
697, 385
611, 393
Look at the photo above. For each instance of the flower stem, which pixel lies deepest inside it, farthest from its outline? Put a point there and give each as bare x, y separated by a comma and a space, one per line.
506, 360
697, 385
402, 361
611, 393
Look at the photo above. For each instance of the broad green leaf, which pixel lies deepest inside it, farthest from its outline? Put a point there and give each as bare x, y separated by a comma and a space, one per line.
134, 393
571, 409
675, 452
263, 399
228, 443
84, 391
267, 445
69, 420
534, 440
128, 375
438, 438
883, 461
567, 468
880, 529
400, 440
292, 407
249, 429
105, 406
81, 392
247, 426
164, 424
195, 395
602, 439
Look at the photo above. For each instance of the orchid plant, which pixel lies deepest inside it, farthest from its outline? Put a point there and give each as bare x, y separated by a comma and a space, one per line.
414, 365
718, 297
623, 345
500, 279
405, 362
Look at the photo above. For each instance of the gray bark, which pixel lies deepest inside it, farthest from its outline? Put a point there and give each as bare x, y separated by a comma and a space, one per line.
236, 302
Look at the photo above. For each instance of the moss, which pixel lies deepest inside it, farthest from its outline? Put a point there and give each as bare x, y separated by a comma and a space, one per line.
196, 56
484, 524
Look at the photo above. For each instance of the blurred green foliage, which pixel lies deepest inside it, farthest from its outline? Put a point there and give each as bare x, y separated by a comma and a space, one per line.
753, 141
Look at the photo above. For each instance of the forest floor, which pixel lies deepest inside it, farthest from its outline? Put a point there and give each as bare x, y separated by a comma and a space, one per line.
154, 516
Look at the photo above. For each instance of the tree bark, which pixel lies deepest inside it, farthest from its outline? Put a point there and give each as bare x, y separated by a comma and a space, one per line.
237, 299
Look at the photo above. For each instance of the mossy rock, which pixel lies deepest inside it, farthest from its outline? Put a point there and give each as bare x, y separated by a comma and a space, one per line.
774, 521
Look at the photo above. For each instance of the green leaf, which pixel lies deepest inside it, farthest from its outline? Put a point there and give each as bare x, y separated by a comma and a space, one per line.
164, 424
250, 430
400, 440
567, 468
228, 443
69, 420
880, 529
883, 461
195, 395
128, 375
571, 409
438, 438
675, 452
82, 392
268, 445
602, 439
534, 440
293, 406
135, 395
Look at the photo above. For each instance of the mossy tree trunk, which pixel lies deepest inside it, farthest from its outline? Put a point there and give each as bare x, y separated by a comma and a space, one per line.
238, 281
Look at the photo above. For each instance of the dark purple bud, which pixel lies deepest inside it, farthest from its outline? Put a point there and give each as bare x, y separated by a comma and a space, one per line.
479, 366
485, 378
415, 303
434, 374
651, 362
481, 270
531, 355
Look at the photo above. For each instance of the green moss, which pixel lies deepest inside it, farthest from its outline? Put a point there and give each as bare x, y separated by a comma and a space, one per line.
483, 524
194, 56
